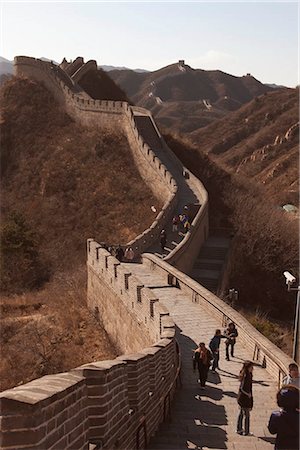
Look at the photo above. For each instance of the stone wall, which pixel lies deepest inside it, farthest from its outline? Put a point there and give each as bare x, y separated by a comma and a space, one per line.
120, 403
265, 352
106, 114
185, 253
116, 404
85, 68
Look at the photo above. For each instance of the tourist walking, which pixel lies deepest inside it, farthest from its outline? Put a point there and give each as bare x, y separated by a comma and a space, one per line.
163, 240
285, 423
175, 222
293, 377
202, 359
129, 254
214, 346
231, 334
245, 399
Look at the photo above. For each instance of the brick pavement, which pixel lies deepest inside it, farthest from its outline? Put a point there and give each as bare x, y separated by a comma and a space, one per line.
204, 419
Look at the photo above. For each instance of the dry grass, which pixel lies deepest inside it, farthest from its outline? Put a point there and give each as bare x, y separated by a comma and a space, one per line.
277, 332
265, 242
243, 142
49, 331
69, 183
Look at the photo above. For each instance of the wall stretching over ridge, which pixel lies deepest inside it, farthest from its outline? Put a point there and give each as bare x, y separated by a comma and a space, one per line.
163, 181
111, 403
120, 403
112, 115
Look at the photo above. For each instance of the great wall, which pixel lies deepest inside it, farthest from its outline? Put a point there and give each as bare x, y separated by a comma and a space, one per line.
153, 312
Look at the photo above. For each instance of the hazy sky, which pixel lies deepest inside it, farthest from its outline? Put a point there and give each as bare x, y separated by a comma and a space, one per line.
236, 37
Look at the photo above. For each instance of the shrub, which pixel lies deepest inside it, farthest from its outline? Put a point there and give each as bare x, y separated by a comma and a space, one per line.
21, 266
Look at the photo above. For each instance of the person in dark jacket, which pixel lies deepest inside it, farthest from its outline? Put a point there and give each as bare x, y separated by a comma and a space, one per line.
245, 398
231, 333
202, 359
214, 346
285, 423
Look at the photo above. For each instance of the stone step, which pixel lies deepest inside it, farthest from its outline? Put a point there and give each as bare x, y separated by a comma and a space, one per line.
206, 419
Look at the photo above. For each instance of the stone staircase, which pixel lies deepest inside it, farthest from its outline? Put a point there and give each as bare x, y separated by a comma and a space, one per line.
201, 419
147, 130
208, 267
186, 197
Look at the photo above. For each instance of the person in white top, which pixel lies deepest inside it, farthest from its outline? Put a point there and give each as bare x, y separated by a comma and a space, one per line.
293, 377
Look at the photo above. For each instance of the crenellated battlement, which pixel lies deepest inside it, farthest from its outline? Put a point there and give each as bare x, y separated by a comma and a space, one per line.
119, 404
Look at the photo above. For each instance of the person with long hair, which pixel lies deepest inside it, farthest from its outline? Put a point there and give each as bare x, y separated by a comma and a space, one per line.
202, 359
245, 398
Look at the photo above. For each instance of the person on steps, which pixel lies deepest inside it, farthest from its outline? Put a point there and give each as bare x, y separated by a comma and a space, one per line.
285, 423
175, 222
231, 333
245, 399
202, 359
293, 377
214, 346
163, 240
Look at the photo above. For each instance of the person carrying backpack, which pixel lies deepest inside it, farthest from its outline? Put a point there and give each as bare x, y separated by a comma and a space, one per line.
202, 359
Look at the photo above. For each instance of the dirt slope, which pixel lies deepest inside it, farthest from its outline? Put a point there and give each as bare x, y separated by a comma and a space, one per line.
259, 141
62, 178
66, 184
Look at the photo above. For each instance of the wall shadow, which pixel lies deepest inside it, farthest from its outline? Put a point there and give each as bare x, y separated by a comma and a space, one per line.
195, 417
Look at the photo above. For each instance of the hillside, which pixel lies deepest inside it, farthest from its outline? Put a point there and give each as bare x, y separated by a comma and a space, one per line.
260, 141
101, 87
264, 244
60, 185
185, 98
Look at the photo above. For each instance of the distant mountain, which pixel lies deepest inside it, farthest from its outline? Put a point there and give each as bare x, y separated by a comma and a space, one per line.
6, 66
185, 98
275, 86
110, 68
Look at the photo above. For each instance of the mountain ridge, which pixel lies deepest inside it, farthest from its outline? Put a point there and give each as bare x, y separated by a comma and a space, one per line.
203, 95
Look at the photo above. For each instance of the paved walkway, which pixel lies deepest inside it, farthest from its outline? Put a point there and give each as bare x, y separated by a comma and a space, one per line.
205, 419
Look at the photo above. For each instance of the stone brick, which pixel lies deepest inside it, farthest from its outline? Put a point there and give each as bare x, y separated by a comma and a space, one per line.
76, 433
20, 438
54, 437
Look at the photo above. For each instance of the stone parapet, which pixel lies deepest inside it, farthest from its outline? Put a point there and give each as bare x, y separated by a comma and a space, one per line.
115, 404
264, 352
109, 114
48, 413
